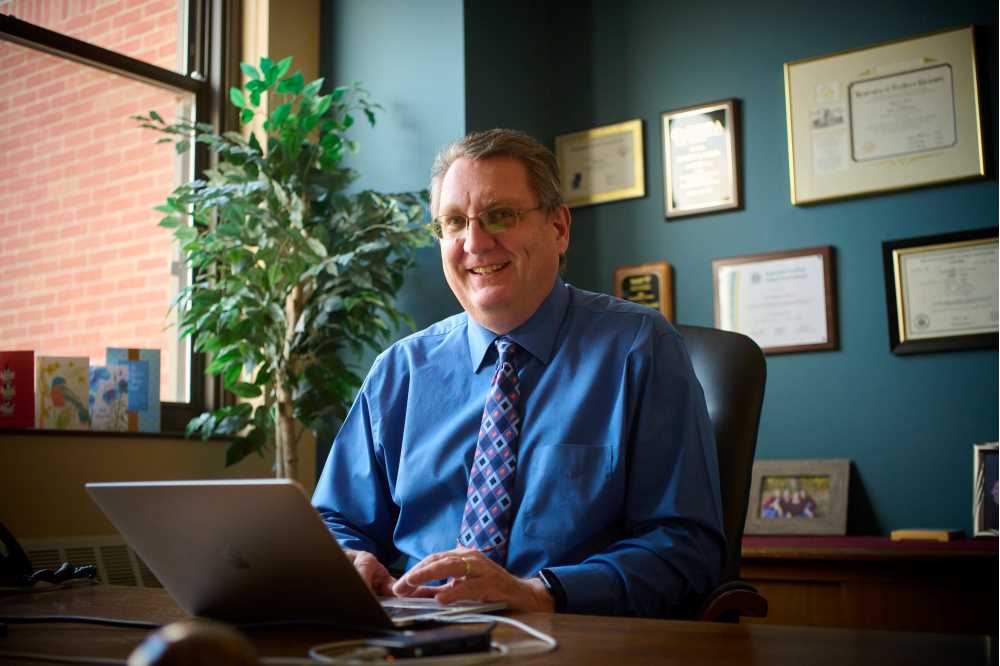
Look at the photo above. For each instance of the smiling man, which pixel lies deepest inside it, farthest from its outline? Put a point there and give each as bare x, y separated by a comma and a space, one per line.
548, 447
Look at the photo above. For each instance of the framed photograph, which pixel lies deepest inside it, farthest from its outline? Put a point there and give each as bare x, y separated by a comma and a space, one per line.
602, 164
984, 490
941, 291
798, 497
784, 301
893, 116
647, 284
701, 169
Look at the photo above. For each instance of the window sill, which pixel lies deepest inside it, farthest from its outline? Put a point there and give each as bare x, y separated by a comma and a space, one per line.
104, 434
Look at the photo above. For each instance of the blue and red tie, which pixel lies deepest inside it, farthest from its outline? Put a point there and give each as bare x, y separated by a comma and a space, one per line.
489, 505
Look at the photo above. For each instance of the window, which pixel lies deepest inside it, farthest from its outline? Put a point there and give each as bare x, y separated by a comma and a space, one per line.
83, 264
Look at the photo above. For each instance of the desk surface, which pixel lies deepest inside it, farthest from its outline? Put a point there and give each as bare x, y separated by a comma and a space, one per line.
582, 639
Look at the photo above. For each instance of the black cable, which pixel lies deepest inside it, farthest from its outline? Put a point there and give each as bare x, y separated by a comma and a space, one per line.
60, 659
83, 619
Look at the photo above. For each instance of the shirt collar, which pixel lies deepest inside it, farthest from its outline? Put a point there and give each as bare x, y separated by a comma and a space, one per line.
537, 335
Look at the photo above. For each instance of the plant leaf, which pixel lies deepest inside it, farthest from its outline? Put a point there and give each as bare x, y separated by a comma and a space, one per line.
249, 70
236, 97
292, 85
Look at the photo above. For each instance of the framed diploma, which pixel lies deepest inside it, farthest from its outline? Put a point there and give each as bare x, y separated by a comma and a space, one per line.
784, 301
602, 164
699, 157
647, 284
898, 115
941, 291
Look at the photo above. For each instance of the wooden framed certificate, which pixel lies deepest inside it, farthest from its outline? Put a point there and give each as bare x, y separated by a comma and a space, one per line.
647, 284
784, 301
602, 164
941, 291
699, 156
897, 115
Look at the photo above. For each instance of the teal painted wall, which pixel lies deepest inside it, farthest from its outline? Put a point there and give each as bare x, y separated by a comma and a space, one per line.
907, 423
409, 55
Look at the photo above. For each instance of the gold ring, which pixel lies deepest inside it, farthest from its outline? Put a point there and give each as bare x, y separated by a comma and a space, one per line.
468, 568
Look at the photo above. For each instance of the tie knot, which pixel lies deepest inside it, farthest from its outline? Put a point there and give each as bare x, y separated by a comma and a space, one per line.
506, 348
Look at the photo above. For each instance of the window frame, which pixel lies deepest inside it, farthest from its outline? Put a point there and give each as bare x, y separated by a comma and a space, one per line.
213, 49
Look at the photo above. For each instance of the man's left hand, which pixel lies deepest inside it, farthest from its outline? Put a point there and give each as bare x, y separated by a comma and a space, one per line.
473, 576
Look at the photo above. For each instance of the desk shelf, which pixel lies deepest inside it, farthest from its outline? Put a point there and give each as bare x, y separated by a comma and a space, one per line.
875, 583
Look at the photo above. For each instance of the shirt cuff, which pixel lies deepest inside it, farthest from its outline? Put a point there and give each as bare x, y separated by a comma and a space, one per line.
589, 588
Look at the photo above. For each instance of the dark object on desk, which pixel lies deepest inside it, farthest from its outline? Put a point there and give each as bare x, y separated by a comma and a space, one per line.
732, 372
16, 569
433, 642
194, 643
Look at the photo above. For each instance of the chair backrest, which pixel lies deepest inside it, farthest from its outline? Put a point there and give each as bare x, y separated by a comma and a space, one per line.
732, 372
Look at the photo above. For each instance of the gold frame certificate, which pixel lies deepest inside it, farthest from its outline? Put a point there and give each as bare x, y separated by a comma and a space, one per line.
602, 164
942, 291
784, 301
892, 116
699, 157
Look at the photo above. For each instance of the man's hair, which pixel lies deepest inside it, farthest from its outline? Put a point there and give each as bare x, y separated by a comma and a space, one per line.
540, 163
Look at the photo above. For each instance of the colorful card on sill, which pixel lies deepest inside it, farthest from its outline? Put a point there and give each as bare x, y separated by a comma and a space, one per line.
143, 386
109, 398
17, 389
63, 394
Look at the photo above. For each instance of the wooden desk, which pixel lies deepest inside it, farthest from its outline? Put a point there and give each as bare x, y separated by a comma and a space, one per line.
875, 583
582, 639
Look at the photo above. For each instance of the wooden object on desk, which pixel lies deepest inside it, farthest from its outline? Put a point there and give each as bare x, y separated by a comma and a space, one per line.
875, 583
923, 534
582, 639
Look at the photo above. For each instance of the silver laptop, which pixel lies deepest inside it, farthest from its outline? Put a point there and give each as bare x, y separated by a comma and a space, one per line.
252, 551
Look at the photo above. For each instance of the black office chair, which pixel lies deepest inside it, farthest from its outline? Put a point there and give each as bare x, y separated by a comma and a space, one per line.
732, 373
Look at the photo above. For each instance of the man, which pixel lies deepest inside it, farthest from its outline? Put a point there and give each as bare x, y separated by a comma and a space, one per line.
588, 483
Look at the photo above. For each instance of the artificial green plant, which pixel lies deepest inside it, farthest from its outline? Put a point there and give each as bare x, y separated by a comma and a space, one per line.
291, 272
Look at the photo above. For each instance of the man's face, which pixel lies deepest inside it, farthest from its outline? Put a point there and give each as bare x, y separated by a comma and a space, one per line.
499, 280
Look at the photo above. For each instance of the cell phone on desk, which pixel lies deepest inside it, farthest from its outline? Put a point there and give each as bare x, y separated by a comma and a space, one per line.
432, 642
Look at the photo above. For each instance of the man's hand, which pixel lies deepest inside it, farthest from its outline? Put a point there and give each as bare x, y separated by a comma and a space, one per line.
376, 576
471, 575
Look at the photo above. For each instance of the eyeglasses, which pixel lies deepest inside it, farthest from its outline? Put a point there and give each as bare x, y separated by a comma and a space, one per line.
492, 221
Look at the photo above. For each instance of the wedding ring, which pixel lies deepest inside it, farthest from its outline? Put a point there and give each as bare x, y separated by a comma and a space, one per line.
468, 568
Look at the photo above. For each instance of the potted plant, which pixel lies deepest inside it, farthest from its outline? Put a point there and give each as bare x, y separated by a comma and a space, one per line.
291, 271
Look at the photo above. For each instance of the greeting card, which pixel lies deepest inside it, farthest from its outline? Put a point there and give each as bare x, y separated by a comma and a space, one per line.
63, 395
17, 389
143, 386
109, 398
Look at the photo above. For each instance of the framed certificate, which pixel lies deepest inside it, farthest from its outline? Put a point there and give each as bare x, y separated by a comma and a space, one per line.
647, 284
941, 291
985, 490
894, 116
699, 155
602, 164
784, 301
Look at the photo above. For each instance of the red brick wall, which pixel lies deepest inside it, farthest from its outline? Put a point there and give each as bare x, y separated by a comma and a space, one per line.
83, 265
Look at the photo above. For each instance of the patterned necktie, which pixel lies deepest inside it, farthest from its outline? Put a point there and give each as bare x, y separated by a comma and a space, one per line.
488, 508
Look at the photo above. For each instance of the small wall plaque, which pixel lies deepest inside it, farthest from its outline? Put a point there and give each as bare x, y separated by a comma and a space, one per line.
647, 284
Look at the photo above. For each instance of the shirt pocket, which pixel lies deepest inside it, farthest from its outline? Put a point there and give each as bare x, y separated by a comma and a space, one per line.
568, 492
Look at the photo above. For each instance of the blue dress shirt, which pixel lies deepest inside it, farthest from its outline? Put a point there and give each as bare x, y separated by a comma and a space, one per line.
617, 488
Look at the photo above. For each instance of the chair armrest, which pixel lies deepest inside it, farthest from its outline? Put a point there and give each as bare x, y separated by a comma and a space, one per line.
733, 600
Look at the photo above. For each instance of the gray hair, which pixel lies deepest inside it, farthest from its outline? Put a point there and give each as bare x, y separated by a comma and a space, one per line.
543, 170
